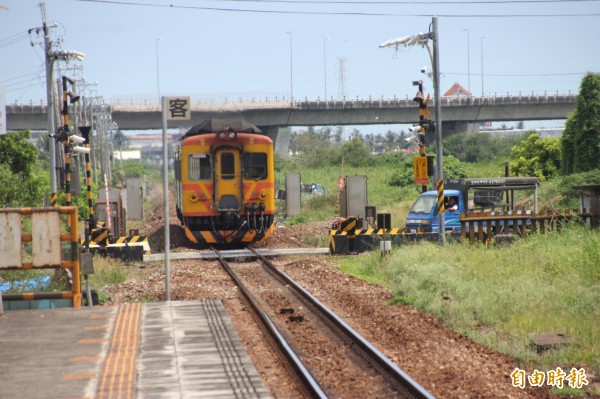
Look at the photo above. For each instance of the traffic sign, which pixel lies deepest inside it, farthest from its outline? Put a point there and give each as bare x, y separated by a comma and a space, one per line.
420, 168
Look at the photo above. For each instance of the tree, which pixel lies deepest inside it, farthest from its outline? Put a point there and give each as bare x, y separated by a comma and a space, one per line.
404, 176
536, 156
355, 153
338, 134
370, 141
17, 152
22, 181
482, 146
120, 139
313, 148
581, 137
390, 139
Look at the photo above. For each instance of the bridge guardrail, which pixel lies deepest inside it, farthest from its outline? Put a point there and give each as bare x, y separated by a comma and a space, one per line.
366, 102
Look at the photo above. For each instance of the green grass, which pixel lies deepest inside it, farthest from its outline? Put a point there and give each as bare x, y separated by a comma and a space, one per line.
107, 271
499, 296
385, 198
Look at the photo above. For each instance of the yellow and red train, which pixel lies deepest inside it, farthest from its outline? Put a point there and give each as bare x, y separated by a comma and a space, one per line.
225, 183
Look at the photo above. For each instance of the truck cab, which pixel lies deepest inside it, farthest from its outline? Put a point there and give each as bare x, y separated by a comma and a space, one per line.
423, 215
488, 195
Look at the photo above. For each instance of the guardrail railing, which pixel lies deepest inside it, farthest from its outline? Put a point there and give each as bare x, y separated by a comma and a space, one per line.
483, 226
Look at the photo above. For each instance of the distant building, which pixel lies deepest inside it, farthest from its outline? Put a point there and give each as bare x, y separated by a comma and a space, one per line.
148, 140
457, 91
127, 155
151, 147
543, 132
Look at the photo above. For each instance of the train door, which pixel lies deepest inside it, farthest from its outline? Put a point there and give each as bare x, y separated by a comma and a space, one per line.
228, 180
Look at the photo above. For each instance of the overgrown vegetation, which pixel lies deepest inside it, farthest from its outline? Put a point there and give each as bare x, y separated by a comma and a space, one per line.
500, 296
23, 181
581, 138
496, 296
536, 156
107, 271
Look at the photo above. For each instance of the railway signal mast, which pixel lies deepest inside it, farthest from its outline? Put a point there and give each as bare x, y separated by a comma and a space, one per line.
422, 39
425, 124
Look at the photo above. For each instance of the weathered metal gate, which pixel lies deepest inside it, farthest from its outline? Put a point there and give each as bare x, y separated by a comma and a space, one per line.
38, 244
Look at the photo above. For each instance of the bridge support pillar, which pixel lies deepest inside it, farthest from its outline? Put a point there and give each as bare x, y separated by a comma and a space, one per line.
281, 138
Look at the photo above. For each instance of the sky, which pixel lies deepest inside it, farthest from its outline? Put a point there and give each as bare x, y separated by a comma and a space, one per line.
217, 49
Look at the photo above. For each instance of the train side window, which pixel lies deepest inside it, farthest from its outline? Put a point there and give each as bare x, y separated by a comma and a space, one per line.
255, 166
227, 166
199, 167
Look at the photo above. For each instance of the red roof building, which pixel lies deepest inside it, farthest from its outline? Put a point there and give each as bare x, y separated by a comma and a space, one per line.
457, 91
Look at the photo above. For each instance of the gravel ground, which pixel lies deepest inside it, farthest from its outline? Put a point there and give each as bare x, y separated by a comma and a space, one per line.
445, 363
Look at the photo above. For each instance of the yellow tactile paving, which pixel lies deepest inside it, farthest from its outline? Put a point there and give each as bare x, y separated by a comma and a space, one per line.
118, 375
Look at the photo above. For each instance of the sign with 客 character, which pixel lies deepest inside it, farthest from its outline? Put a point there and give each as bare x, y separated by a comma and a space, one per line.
420, 169
178, 108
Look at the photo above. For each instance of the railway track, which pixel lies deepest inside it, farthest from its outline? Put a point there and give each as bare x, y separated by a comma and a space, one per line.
328, 357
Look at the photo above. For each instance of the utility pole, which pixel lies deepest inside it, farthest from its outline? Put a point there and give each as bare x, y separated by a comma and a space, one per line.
291, 69
342, 78
438, 128
50, 57
50, 106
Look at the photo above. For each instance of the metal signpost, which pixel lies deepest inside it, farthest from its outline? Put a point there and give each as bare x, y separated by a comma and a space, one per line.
173, 109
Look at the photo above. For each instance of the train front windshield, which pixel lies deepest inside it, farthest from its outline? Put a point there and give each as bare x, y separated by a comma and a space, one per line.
424, 204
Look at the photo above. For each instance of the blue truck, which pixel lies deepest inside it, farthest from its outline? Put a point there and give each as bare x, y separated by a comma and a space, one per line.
488, 194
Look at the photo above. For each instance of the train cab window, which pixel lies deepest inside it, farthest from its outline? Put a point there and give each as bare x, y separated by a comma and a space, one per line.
255, 166
227, 165
199, 167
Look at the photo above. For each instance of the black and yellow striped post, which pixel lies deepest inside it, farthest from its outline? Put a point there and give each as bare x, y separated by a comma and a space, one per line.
53, 197
441, 209
85, 133
424, 122
65, 134
67, 145
440, 191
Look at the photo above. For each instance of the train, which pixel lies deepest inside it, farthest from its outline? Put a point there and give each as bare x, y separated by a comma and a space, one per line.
225, 183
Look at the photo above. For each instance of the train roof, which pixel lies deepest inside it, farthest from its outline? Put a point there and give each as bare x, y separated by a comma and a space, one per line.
214, 125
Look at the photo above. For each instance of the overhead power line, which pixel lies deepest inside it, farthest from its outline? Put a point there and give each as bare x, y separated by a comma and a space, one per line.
12, 39
522, 74
347, 13
326, 2
5, 81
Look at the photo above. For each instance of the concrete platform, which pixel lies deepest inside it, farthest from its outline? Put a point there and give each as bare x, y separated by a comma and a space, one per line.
153, 350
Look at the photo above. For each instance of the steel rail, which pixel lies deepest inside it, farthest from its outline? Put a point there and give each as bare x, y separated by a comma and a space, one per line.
411, 388
307, 379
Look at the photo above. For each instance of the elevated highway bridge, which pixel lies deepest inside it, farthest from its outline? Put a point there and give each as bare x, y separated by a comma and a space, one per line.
276, 118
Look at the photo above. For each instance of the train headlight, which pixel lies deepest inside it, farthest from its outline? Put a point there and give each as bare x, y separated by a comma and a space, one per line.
263, 195
232, 135
193, 197
221, 135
